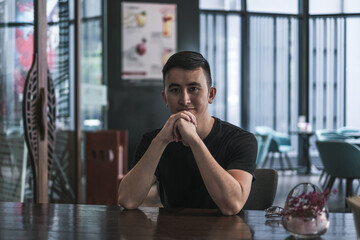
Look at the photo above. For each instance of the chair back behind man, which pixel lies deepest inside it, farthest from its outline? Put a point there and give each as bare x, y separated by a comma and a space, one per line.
263, 189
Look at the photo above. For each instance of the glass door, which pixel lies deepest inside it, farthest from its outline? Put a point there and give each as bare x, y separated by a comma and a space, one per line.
16, 50
16, 57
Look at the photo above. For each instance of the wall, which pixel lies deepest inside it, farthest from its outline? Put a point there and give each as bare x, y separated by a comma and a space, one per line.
139, 107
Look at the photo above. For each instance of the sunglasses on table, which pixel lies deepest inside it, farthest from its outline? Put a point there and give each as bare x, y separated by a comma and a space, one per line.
273, 211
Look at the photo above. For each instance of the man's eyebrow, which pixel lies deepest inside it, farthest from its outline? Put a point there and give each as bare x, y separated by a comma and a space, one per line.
194, 84
189, 84
173, 85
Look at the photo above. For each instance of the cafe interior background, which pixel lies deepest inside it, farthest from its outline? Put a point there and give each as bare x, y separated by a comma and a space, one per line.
288, 65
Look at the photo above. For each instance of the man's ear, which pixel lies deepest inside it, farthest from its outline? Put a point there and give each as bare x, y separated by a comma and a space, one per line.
164, 97
212, 93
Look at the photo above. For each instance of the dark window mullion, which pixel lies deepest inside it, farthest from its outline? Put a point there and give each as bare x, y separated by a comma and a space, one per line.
324, 79
225, 68
289, 75
213, 49
274, 73
344, 123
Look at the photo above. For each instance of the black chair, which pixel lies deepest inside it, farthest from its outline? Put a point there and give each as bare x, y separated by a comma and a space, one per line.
263, 189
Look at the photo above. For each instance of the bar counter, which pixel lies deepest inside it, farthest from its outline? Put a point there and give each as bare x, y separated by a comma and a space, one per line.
71, 221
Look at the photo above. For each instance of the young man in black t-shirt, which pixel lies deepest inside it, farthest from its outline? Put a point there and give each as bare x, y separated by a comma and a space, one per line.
198, 160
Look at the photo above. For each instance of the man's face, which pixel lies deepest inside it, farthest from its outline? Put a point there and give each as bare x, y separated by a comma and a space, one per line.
188, 90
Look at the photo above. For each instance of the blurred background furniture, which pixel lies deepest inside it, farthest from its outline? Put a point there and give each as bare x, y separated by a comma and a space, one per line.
263, 189
349, 132
279, 143
304, 159
328, 135
106, 154
341, 160
13, 163
263, 140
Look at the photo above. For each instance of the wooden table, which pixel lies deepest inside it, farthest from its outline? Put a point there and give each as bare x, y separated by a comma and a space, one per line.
70, 221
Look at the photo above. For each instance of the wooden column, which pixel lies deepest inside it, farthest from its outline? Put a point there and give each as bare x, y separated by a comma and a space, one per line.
40, 53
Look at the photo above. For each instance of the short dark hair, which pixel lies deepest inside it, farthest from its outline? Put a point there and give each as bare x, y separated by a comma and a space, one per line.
188, 60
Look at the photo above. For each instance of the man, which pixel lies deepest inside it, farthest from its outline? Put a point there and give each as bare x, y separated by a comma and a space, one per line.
199, 161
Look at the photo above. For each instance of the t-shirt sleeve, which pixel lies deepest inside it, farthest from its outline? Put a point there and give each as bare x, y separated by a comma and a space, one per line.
141, 149
143, 146
243, 152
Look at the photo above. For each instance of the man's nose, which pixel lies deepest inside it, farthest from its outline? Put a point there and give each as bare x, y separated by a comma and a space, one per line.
184, 98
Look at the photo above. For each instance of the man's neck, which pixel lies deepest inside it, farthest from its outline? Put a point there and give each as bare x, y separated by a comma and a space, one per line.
204, 126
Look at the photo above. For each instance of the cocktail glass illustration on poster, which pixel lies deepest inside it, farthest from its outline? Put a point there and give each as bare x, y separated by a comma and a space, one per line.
148, 39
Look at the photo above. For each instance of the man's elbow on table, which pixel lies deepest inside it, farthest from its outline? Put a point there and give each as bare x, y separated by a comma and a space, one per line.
233, 209
127, 203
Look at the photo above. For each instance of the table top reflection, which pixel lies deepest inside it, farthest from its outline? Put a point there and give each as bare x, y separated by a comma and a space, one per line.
70, 221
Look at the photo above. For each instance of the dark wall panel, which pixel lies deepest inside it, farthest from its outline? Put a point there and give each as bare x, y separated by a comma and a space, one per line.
139, 107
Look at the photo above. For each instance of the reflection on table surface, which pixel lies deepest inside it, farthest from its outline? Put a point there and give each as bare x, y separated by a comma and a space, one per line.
70, 221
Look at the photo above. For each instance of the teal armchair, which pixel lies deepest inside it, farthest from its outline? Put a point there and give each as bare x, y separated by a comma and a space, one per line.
349, 131
278, 143
327, 134
340, 160
263, 140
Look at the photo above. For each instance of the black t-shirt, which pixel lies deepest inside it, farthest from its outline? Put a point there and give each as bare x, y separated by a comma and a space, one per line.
180, 182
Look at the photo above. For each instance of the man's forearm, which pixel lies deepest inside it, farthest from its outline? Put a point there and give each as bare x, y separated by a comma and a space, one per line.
224, 189
136, 184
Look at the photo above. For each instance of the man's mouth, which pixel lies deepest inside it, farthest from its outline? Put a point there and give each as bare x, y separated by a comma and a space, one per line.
185, 109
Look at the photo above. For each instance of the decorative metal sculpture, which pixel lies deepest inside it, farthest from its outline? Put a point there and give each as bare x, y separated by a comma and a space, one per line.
35, 116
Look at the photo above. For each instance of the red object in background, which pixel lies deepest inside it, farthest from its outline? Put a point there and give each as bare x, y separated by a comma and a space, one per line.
141, 47
50, 58
25, 48
106, 157
167, 18
25, 7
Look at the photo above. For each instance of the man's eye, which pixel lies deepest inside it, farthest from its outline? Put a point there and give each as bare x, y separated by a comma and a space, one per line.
193, 89
174, 90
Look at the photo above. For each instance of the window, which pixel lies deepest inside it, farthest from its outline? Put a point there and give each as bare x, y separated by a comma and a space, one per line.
273, 6
273, 57
93, 92
334, 6
273, 72
220, 44
16, 53
221, 4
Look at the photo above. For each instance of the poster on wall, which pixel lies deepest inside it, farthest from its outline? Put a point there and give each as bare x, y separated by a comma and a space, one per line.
148, 39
